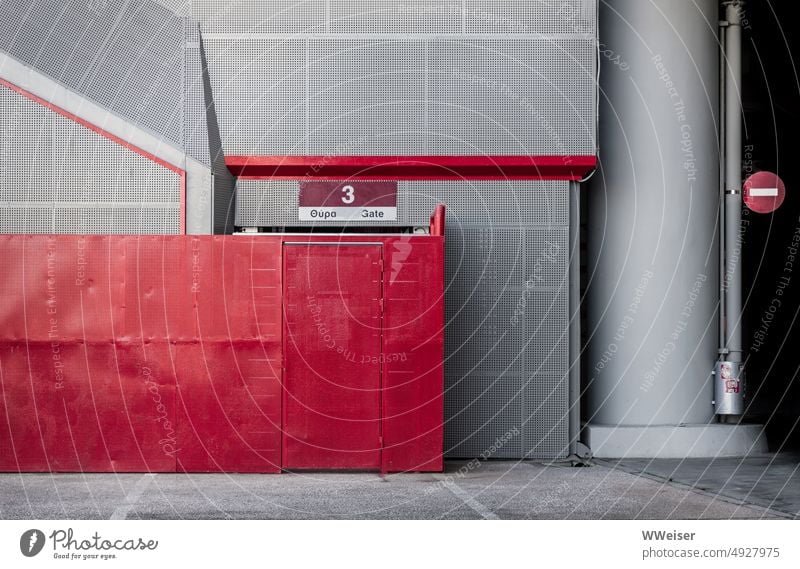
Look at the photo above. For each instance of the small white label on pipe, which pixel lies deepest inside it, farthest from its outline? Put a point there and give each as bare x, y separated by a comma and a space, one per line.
764, 192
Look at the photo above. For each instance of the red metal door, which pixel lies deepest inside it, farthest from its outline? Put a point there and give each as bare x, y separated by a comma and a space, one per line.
332, 347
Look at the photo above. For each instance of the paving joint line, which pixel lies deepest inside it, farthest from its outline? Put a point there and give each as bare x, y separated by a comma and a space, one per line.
466, 497
122, 511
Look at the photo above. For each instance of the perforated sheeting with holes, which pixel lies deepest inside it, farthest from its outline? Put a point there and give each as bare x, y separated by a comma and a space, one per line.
506, 342
507, 345
419, 16
260, 16
531, 16
57, 176
392, 16
125, 55
366, 97
196, 129
506, 96
179, 7
382, 78
259, 91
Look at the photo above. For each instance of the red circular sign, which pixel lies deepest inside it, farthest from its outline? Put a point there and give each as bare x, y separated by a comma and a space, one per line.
764, 192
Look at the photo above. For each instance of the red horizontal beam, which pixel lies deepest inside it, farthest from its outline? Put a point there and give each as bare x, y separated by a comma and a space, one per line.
413, 167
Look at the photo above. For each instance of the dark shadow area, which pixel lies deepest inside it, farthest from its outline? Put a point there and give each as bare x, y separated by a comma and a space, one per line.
772, 481
771, 262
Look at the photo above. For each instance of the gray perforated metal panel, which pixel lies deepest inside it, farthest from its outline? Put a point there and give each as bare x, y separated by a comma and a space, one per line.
531, 16
179, 7
545, 408
196, 127
404, 17
385, 78
140, 60
156, 219
506, 341
392, 16
507, 304
125, 55
401, 96
491, 406
259, 89
366, 97
261, 16
511, 96
57, 176
16, 218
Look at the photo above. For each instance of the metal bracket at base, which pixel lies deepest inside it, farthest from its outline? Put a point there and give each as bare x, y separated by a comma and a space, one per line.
583, 451
582, 456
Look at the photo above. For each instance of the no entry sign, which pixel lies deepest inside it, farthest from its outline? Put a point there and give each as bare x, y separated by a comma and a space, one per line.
764, 192
347, 201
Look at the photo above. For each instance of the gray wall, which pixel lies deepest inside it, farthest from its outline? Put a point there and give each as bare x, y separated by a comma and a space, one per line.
57, 176
355, 77
125, 55
142, 62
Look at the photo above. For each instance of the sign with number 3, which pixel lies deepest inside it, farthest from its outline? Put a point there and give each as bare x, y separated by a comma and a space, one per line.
347, 201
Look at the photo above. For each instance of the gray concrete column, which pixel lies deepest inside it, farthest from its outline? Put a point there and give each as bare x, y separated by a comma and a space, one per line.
653, 257
653, 240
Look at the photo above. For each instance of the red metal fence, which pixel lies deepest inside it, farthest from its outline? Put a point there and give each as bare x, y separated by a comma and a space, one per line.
169, 353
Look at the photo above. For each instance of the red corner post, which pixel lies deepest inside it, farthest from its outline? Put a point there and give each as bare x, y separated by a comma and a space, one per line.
437, 221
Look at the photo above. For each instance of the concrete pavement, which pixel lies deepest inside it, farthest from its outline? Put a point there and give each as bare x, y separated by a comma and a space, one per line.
489, 490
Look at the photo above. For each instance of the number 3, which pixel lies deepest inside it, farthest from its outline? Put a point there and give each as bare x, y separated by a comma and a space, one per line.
349, 194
